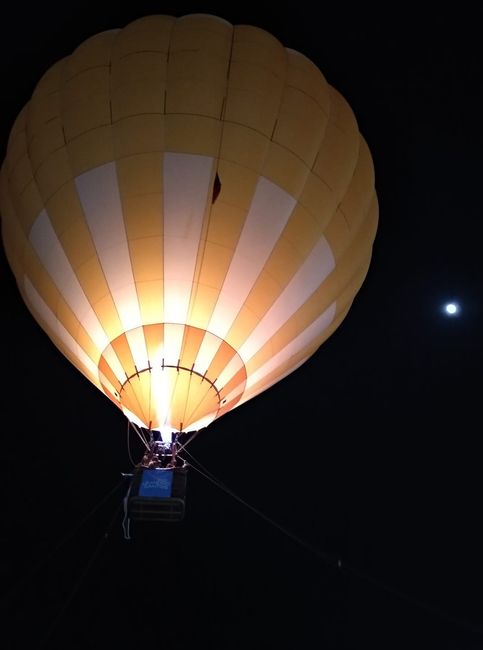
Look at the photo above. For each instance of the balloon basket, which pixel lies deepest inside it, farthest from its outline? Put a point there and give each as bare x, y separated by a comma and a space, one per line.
157, 495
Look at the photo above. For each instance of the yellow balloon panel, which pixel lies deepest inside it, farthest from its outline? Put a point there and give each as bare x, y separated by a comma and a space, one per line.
189, 211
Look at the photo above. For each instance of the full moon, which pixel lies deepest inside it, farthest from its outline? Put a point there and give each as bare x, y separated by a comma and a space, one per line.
451, 308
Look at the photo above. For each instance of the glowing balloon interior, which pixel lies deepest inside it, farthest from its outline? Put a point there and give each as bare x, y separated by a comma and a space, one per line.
189, 211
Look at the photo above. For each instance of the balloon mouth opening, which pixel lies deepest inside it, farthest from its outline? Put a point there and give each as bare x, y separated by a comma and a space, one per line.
176, 377
164, 381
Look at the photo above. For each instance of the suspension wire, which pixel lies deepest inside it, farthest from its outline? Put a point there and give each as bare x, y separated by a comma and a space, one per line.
190, 439
337, 562
332, 560
141, 436
128, 445
206, 471
61, 542
74, 591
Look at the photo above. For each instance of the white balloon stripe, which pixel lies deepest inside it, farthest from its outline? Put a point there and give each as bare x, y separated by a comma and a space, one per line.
269, 212
280, 358
53, 258
47, 315
186, 183
98, 191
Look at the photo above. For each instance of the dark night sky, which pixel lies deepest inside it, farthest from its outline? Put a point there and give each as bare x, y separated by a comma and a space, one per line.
383, 469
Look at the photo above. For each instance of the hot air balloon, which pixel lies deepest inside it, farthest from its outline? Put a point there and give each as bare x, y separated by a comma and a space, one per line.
189, 210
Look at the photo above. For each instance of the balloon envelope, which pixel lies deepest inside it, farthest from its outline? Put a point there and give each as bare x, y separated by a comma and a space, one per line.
189, 211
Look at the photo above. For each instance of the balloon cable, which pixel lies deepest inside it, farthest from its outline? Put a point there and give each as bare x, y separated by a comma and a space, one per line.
90, 562
330, 559
62, 541
141, 437
336, 562
190, 439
